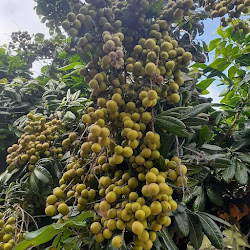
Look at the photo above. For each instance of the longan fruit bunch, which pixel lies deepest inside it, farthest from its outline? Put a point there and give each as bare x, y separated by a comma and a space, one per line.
10, 234
37, 142
234, 9
176, 171
113, 170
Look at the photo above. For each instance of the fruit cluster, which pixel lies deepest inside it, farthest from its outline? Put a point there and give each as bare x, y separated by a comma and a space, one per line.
129, 72
234, 9
23, 41
9, 233
38, 141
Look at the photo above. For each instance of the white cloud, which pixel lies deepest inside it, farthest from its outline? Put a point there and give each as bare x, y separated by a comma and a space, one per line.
19, 15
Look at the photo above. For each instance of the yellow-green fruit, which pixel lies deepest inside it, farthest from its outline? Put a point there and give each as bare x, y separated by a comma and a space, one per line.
7, 246
150, 44
95, 227
152, 94
147, 245
51, 199
117, 242
99, 237
111, 197
186, 57
175, 98
50, 210
172, 174
137, 227
155, 207
150, 69
150, 177
63, 209
107, 234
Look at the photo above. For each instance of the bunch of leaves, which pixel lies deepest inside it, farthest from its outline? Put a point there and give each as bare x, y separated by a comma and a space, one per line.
13, 65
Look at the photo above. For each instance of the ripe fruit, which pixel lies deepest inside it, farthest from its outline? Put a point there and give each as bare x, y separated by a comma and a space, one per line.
137, 227
117, 242
63, 209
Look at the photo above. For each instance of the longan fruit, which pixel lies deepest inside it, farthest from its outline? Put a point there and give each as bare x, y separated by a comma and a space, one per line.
137, 227
117, 242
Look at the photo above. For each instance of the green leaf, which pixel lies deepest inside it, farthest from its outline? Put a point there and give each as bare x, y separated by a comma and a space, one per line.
213, 44
172, 125
214, 197
196, 110
212, 231
220, 64
224, 91
168, 241
215, 218
205, 83
228, 173
191, 195
244, 157
70, 66
182, 222
33, 183
231, 72
195, 232
172, 110
195, 121
241, 174
38, 237
43, 174
193, 170
221, 163
200, 202
203, 134
211, 147
192, 182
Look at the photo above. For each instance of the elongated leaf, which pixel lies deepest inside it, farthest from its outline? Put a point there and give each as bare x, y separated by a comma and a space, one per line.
70, 66
33, 183
195, 121
213, 44
212, 231
172, 125
241, 174
228, 173
43, 174
38, 237
193, 170
182, 222
192, 182
168, 241
196, 110
169, 111
220, 64
215, 218
214, 197
195, 233
212, 147
221, 163
205, 83
244, 157
200, 202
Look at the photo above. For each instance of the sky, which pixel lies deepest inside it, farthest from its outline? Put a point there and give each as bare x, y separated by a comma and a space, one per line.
20, 15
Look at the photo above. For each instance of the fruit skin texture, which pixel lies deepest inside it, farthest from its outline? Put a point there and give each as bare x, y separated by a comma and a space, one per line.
117, 242
63, 209
137, 227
